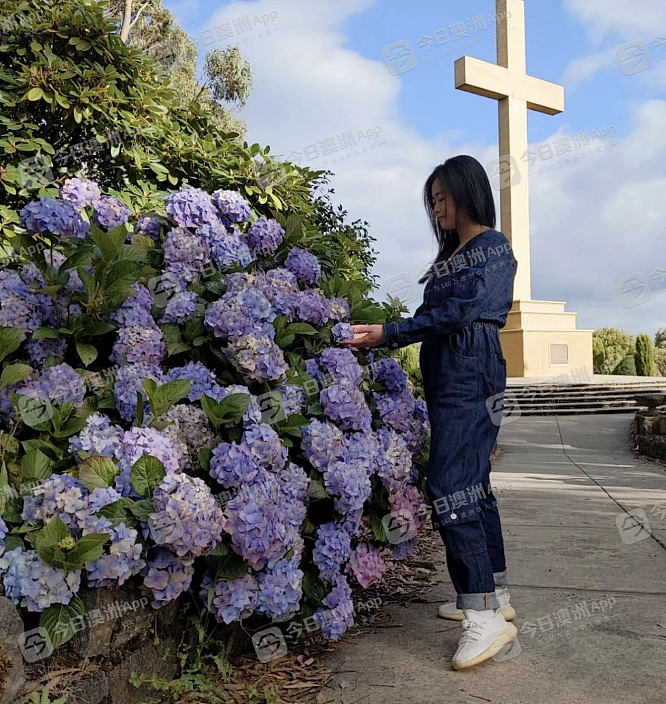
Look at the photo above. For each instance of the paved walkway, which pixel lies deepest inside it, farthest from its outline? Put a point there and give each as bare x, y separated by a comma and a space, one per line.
568, 479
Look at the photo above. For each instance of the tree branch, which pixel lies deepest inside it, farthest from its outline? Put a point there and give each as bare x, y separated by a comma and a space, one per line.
127, 16
138, 14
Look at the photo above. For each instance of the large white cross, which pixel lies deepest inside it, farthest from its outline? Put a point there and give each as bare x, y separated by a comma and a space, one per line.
517, 92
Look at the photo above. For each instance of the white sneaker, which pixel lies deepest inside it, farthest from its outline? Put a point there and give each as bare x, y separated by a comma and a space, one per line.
485, 633
453, 613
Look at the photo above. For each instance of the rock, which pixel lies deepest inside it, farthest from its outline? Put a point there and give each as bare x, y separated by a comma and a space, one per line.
148, 660
91, 690
12, 674
650, 400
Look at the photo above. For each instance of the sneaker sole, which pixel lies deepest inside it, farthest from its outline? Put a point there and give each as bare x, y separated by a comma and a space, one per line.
500, 642
508, 612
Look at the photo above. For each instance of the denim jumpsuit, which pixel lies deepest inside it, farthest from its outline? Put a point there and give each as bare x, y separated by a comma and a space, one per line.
465, 303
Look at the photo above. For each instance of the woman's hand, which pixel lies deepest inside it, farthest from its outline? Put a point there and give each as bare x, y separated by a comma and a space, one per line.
366, 336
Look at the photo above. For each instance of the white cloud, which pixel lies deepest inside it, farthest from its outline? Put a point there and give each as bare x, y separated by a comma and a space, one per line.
585, 68
622, 19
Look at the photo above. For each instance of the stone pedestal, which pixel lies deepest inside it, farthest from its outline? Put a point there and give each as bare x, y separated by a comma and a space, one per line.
541, 339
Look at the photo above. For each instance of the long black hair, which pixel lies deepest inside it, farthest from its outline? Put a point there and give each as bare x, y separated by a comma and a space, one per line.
465, 181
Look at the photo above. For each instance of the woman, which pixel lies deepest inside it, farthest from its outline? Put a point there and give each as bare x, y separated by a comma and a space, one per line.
468, 294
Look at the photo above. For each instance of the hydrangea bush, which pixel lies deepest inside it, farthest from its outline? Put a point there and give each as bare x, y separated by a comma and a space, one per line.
177, 409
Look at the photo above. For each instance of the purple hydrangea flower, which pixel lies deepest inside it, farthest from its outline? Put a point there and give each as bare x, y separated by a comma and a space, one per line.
339, 615
303, 265
98, 438
322, 444
366, 565
202, 381
394, 459
80, 192
32, 583
257, 523
185, 254
128, 383
57, 217
257, 357
137, 344
166, 577
396, 409
350, 485
138, 442
59, 496
231, 599
58, 384
19, 306
280, 590
311, 307
135, 310
331, 551
186, 519
40, 350
123, 559
341, 363
110, 212
226, 248
148, 225
190, 431
191, 207
339, 310
239, 313
234, 465
265, 235
179, 308
405, 549
232, 205
345, 404
342, 331
266, 447
391, 373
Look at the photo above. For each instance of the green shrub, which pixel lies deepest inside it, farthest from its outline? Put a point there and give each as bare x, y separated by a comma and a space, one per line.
617, 344
598, 353
627, 367
645, 364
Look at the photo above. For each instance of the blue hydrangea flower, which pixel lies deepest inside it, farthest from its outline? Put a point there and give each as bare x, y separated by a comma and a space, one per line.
191, 207
322, 444
40, 350
280, 590
391, 373
186, 518
234, 465
226, 248
239, 313
135, 310
257, 357
123, 559
19, 306
148, 225
265, 446
57, 217
345, 404
339, 615
341, 363
144, 441
349, 484
232, 599
185, 254
136, 344
331, 551
342, 331
128, 383
311, 307
98, 438
60, 495
202, 381
303, 265
232, 205
405, 549
189, 428
32, 583
396, 409
294, 399
58, 384
179, 308
394, 459
166, 576
80, 192
265, 235
110, 212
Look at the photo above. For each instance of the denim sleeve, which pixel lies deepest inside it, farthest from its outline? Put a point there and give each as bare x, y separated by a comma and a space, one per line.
452, 314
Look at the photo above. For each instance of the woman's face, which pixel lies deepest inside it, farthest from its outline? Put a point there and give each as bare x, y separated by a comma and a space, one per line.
443, 207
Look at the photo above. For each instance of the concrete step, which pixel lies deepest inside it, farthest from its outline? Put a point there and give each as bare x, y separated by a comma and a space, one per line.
577, 411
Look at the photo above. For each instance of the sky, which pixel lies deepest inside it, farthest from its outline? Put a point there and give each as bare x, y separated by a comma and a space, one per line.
597, 210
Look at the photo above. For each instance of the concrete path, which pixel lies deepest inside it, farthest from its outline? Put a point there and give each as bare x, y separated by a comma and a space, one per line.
566, 482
